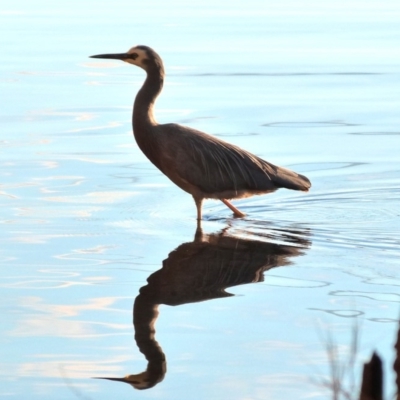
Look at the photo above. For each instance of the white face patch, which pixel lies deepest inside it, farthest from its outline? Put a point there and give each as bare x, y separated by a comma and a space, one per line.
138, 61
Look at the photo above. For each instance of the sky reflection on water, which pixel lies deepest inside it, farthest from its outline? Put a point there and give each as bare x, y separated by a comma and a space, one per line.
87, 220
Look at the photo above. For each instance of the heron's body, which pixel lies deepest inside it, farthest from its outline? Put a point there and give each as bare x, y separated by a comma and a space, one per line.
200, 164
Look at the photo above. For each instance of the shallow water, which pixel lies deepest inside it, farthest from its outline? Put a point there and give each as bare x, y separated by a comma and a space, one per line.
87, 221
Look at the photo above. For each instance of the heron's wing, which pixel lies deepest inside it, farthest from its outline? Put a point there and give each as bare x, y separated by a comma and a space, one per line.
215, 166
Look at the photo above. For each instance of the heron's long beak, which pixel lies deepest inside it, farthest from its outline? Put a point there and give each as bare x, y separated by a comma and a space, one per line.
130, 380
118, 56
114, 379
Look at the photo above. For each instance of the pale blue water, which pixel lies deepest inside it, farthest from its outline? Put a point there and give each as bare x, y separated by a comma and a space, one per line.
86, 219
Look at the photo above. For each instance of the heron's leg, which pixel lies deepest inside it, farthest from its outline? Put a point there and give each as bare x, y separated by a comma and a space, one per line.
237, 212
199, 203
198, 236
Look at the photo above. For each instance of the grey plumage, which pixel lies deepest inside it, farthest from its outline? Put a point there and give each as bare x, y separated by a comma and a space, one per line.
200, 164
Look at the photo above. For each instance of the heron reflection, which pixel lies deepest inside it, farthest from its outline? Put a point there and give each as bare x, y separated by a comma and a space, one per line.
202, 270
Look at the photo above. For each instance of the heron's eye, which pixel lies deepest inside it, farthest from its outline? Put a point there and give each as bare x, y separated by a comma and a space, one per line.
134, 56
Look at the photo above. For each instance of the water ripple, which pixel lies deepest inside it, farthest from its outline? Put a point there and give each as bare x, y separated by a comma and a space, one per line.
308, 124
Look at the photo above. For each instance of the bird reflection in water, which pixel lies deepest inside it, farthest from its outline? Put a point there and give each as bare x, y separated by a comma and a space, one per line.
202, 270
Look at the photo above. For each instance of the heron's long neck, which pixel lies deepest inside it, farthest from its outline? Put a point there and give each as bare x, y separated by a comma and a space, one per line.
145, 314
143, 108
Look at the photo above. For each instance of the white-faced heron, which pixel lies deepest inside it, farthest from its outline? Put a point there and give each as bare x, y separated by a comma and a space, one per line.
200, 164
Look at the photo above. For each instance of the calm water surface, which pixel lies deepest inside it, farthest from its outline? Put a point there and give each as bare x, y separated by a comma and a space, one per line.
92, 232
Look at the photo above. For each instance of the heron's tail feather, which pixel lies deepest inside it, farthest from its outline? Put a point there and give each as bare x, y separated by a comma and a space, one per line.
291, 180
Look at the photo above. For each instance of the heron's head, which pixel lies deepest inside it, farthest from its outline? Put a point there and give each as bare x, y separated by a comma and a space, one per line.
141, 56
141, 381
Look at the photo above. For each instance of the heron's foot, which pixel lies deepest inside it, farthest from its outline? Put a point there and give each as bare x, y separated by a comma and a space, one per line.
237, 212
